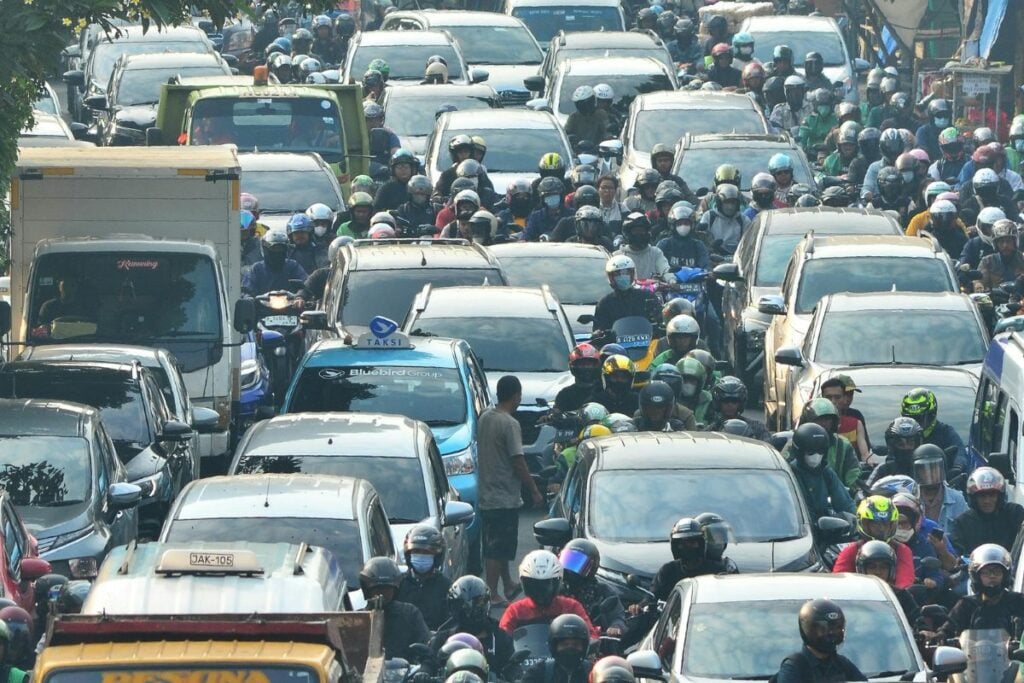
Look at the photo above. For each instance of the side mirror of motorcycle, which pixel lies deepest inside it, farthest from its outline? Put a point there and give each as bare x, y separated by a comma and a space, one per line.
948, 660
635, 581
418, 652
585, 319
646, 664
727, 272
833, 529
244, 316
778, 440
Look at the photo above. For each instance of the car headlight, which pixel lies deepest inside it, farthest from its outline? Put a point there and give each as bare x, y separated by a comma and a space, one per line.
150, 485
249, 373
68, 537
83, 568
462, 462
128, 132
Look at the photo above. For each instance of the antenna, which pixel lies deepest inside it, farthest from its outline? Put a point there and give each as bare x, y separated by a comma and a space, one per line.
893, 347
423, 258
266, 499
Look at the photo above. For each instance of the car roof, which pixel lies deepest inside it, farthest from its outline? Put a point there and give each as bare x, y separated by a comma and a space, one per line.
382, 255
710, 589
833, 220
43, 417
866, 376
789, 23
609, 39
888, 301
321, 496
78, 367
683, 450
427, 352
604, 66
483, 119
374, 38
279, 161
137, 34
548, 250
734, 140
148, 356
162, 60
440, 91
459, 18
485, 301
840, 246
694, 99
333, 434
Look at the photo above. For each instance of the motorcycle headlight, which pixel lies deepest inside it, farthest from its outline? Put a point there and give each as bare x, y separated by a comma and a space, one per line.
150, 485
459, 463
249, 373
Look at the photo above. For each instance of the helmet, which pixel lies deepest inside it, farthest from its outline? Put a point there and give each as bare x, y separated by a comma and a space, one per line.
983, 136
436, 72
727, 173
611, 674
693, 370
877, 518
821, 96
603, 91
568, 627
469, 601
380, 65
794, 83
657, 395
580, 558
661, 150
807, 200
780, 162
677, 306
310, 65
950, 136
782, 52
464, 677
667, 194
743, 43
467, 639
618, 363
943, 212
459, 142
647, 176
869, 139
632, 222
593, 431
984, 179
1004, 229
372, 110
899, 100
379, 572
903, 435
910, 510
246, 219
874, 79
706, 359
890, 142
987, 218
810, 444
890, 182
896, 483
403, 156
683, 325
876, 551
845, 110
687, 540
729, 388
985, 480
1017, 127
849, 132
609, 350
721, 49
469, 168
72, 596
384, 218
988, 555
593, 412
424, 540
419, 184
813, 63
584, 354
541, 576
822, 625
937, 107
934, 189
344, 24
929, 465
984, 156
586, 197
728, 196
360, 199
372, 79
921, 404
551, 164
753, 70
667, 373
716, 23
275, 239
588, 217
716, 533
467, 659
818, 409
835, 196
583, 175
583, 93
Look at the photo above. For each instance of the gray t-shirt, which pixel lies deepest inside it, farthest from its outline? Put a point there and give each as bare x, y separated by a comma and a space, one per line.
499, 440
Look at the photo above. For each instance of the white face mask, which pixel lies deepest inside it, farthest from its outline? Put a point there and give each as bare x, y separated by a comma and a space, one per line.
904, 535
320, 230
812, 461
683, 229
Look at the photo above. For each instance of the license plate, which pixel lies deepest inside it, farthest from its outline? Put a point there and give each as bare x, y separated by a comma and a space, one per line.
689, 287
281, 321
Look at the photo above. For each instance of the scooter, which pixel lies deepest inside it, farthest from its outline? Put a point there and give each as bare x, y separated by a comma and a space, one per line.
280, 337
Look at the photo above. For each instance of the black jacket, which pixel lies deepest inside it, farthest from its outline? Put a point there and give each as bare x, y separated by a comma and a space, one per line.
673, 572
616, 305
391, 195
314, 286
591, 595
403, 626
573, 397
972, 528
971, 613
804, 667
627, 403
430, 595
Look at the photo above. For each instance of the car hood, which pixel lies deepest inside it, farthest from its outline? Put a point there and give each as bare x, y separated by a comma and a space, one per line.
47, 522
140, 116
646, 558
508, 77
536, 385
452, 438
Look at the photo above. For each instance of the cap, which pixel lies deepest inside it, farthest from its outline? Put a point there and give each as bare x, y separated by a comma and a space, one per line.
847, 382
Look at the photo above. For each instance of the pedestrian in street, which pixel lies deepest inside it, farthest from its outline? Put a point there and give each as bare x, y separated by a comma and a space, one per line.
502, 475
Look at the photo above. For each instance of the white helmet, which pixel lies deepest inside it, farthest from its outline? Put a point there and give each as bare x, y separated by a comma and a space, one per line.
603, 91
319, 212
683, 324
381, 231
584, 92
985, 177
541, 576
619, 262
794, 81
988, 217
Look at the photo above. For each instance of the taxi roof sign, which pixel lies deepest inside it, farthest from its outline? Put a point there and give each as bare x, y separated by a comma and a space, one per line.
183, 561
383, 334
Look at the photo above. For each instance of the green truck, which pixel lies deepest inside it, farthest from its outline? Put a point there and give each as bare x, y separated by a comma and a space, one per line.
257, 116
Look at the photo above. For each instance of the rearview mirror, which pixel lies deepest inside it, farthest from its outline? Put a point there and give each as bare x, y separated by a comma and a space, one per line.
646, 664
205, 420
534, 83
457, 512
554, 532
75, 77
244, 316
789, 355
313, 320
478, 75
610, 149
727, 272
585, 319
33, 568
96, 102
948, 660
174, 430
861, 65
80, 131
122, 495
833, 529
772, 304
154, 137
1001, 462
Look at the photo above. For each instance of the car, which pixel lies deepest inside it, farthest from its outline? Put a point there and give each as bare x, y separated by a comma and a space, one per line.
884, 328
759, 265
516, 141
821, 266
995, 434
697, 157
807, 34
664, 117
246, 577
436, 381
344, 515
624, 492
94, 75
20, 564
381, 278
545, 18
127, 107
155, 449
287, 184
59, 470
740, 627
512, 330
406, 53
50, 130
574, 272
575, 44
411, 112
398, 456
161, 364
496, 42
627, 76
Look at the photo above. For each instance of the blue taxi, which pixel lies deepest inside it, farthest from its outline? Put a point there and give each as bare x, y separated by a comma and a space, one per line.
437, 381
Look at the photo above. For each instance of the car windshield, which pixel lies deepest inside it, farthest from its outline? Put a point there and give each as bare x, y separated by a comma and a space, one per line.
956, 405
369, 293
406, 62
802, 42
544, 21
541, 347
398, 480
747, 640
668, 125
142, 86
496, 44
896, 337
697, 167
340, 536
435, 396
45, 471
119, 400
638, 506
414, 114
279, 124
870, 274
290, 191
107, 53
573, 280
626, 88
511, 150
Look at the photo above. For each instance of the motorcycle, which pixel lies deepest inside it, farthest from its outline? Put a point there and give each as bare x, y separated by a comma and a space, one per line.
989, 653
636, 335
280, 337
533, 639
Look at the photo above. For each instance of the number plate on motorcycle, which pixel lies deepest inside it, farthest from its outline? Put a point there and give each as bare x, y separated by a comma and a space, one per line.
689, 287
281, 321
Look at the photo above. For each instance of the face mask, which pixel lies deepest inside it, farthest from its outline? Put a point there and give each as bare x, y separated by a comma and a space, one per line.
622, 282
942, 122
813, 461
683, 229
746, 51
904, 535
689, 390
421, 564
824, 110
552, 201
320, 230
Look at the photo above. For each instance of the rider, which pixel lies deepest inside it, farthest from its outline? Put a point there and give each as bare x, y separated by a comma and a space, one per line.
425, 584
903, 438
618, 396
395, 191
1006, 263
878, 559
839, 162
663, 157
682, 248
815, 127
585, 366
821, 486
852, 425
920, 535
649, 261
878, 519
303, 248
687, 49
360, 207
688, 541
718, 32
722, 223
922, 405
460, 148
722, 71
587, 122
780, 166
890, 146
729, 398
657, 402
276, 270
417, 210
981, 245
568, 643
251, 253
541, 578
580, 559
8, 672
823, 629
626, 299
991, 518
692, 394
682, 333
379, 579
469, 603
543, 220
787, 117
466, 203
941, 502
840, 456
325, 45
993, 604
667, 373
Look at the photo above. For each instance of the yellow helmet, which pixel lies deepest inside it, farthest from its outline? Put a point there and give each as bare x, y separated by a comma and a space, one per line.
880, 510
594, 431
618, 363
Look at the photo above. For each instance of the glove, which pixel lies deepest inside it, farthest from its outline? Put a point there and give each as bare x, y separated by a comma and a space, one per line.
964, 267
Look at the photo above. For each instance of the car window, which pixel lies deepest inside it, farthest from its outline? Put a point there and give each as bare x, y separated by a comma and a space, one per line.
441, 486
103, 471
477, 385
289, 191
105, 54
626, 88
142, 86
482, 45
572, 498
544, 348
987, 429
406, 61
46, 471
14, 541
667, 630
380, 532
772, 260
821, 277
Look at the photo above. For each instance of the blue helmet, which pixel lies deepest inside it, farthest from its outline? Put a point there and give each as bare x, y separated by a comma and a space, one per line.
780, 162
299, 223
742, 38
284, 43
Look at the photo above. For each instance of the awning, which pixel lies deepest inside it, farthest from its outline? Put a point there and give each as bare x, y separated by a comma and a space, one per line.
902, 17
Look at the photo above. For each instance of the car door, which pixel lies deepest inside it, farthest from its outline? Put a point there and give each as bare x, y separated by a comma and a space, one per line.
123, 523
379, 531
454, 536
16, 548
665, 635
182, 460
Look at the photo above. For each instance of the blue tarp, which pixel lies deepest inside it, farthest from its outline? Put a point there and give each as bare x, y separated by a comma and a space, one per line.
990, 31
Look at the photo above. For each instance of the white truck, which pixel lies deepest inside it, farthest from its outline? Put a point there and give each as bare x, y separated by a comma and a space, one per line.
133, 245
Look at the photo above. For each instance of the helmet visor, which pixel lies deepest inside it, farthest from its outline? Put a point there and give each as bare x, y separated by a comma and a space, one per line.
576, 561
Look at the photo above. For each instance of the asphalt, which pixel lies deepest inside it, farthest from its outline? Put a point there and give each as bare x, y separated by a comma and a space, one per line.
527, 518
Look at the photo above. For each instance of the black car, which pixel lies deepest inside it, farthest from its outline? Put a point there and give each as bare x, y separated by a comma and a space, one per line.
624, 493
58, 465
155, 449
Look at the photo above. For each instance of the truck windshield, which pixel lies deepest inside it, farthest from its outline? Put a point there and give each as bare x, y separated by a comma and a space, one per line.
281, 124
124, 298
148, 673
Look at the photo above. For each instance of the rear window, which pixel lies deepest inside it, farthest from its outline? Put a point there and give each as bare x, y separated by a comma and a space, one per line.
870, 274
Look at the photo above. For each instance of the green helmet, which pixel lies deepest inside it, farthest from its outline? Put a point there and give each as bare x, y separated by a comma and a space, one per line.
360, 199
692, 368
381, 66
364, 183
921, 405
818, 408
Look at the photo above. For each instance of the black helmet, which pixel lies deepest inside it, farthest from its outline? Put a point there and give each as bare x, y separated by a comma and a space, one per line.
635, 221
549, 185
835, 196
302, 41
782, 52
822, 625
810, 444
903, 437
568, 627
72, 596
44, 584
717, 24
657, 394
890, 182
729, 388
813, 64
379, 572
985, 556
424, 540
585, 196
716, 534
469, 601
668, 195
929, 465
580, 559
687, 540
891, 143
807, 200
876, 551
345, 25
373, 79
647, 176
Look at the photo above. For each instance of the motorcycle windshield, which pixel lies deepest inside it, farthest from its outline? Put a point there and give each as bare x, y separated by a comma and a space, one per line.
532, 637
633, 334
987, 654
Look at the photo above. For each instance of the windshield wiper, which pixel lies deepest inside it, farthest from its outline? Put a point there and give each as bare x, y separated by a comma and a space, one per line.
63, 503
782, 539
183, 333
441, 423
402, 520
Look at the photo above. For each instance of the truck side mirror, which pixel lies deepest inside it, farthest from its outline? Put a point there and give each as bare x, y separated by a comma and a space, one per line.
244, 316
5, 318
154, 137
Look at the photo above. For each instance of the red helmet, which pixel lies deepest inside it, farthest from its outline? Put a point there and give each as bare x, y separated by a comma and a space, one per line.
584, 351
984, 156
721, 49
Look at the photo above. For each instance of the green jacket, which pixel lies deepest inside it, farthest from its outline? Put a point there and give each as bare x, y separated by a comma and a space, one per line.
833, 165
345, 230
667, 356
702, 410
814, 129
1013, 159
840, 458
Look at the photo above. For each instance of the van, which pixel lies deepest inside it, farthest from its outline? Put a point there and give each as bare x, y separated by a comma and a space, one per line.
995, 438
545, 18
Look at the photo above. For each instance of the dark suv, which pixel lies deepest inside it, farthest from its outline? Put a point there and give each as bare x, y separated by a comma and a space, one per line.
156, 449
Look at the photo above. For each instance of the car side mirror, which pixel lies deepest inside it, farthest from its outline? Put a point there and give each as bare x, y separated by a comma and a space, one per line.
646, 664
174, 430
727, 272
478, 75
5, 317
789, 355
948, 660
244, 316
123, 496
554, 532
265, 412
833, 529
772, 304
1001, 462
778, 440
861, 65
33, 568
205, 420
75, 77
71, 51
230, 60
538, 104
585, 319
610, 149
313, 320
456, 513
154, 137
534, 83
96, 102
